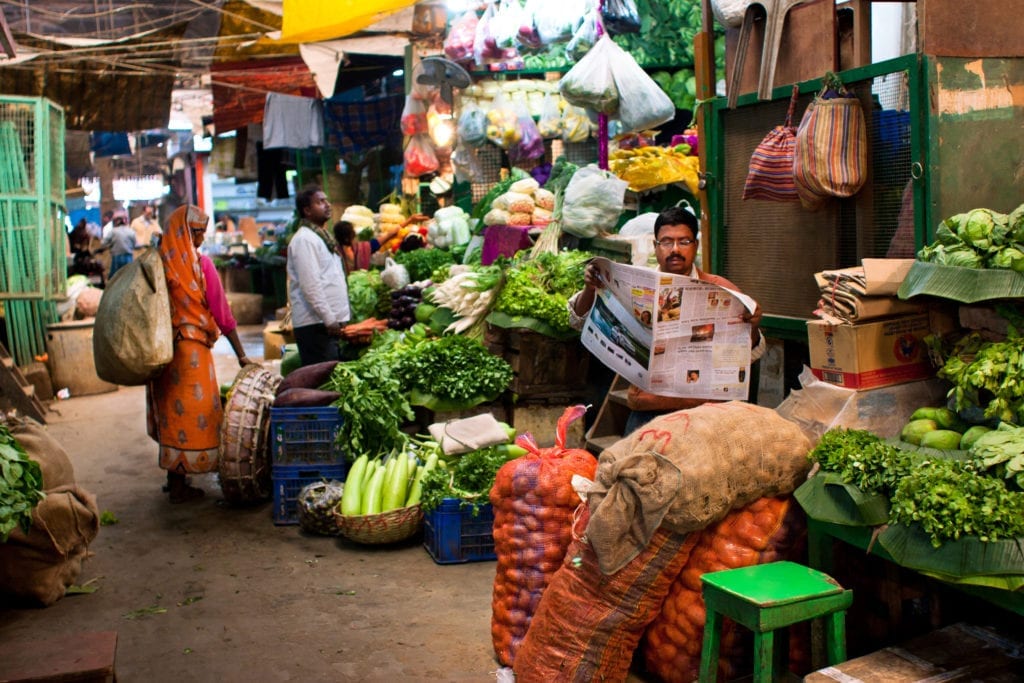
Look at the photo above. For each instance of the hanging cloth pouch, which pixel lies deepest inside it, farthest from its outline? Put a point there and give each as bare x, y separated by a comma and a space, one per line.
830, 155
771, 165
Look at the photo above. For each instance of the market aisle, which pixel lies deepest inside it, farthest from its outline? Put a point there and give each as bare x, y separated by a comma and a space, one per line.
245, 600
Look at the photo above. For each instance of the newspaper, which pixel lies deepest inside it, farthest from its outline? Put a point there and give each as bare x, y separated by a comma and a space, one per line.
671, 335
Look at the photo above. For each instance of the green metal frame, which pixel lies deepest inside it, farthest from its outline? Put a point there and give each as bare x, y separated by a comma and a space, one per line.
785, 327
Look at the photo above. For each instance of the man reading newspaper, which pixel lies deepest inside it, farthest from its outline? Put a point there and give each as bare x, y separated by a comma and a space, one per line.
646, 326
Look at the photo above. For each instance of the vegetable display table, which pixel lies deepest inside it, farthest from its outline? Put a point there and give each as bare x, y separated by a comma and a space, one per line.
820, 536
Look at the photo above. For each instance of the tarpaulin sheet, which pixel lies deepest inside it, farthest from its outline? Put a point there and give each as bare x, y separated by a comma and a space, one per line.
359, 126
310, 21
240, 88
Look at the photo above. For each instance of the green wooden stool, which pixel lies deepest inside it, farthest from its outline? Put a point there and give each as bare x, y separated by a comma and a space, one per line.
767, 597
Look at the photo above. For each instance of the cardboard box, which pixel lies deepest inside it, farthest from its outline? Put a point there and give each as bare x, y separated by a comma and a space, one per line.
961, 652
872, 354
273, 340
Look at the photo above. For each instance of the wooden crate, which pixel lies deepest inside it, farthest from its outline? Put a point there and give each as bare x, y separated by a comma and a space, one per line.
543, 368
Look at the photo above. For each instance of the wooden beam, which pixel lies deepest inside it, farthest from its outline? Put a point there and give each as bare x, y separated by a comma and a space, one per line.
6, 39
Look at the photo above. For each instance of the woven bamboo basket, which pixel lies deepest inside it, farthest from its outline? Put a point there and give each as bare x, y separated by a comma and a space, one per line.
244, 465
387, 527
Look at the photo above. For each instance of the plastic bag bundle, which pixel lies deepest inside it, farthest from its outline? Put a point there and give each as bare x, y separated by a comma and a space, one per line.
642, 103
534, 503
458, 46
473, 126
584, 37
550, 122
414, 116
591, 82
557, 21
502, 123
530, 144
576, 124
593, 202
620, 16
420, 157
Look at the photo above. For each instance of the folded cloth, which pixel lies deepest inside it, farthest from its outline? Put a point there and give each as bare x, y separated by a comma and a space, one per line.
504, 240
468, 434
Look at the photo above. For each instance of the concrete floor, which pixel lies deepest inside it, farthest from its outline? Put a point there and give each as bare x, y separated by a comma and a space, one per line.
246, 600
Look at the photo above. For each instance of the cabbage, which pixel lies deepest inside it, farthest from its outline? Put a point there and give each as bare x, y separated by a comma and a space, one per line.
1015, 223
946, 232
983, 229
962, 256
1010, 257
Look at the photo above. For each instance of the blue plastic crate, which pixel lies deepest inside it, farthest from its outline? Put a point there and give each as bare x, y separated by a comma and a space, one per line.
289, 480
305, 435
451, 534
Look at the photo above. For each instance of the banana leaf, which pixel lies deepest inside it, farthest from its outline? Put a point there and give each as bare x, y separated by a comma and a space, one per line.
522, 322
967, 556
1006, 582
440, 404
827, 498
924, 452
966, 285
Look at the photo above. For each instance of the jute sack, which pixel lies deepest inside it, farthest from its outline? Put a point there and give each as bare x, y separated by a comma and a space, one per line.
44, 449
40, 565
132, 338
687, 469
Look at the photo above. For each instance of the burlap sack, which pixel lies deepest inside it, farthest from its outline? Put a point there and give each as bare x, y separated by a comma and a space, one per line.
44, 449
40, 565
687, 469
133, 339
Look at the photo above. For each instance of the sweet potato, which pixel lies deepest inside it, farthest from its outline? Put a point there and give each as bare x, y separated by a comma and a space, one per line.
300, 397
308, 376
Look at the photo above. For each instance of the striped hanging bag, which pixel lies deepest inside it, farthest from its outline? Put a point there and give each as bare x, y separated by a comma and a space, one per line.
771, 165
831, 156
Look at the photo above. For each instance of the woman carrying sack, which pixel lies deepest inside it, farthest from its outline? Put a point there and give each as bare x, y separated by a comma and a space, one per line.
183, 403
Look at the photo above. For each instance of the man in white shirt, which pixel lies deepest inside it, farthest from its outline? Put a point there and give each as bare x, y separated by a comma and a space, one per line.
146, 228
317, 289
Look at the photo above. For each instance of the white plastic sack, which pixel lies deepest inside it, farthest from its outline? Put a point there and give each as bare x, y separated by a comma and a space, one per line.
642, 103
394, 275
593, 202
591, 83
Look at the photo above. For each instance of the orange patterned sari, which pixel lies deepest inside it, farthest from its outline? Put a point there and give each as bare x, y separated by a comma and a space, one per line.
184, 408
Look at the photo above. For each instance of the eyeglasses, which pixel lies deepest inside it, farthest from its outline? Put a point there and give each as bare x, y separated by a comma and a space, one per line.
668, 242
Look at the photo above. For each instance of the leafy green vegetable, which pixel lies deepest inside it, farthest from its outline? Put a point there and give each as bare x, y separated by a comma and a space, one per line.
470, 478
421, 263
949, 499
540, 287
455, 368
21, 485
368, 296
373, 403
1002, 452
989, 375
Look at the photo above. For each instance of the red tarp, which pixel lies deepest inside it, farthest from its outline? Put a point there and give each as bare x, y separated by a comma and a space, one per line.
240, 88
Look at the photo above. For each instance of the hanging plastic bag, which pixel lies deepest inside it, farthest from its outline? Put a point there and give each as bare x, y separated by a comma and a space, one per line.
576, 124
466, 163
458, 46
593, 202
584, 37
556, 21
420, 157
550, 121
414, 116
505, 25
530, 144
502, 123
620, 16
485, 47
642, 103
473, 126
527, 37
591, 82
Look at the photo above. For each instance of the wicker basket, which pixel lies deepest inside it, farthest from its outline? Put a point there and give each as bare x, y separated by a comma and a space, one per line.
387, 527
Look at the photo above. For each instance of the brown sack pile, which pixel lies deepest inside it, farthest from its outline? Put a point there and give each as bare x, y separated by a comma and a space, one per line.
686, 470
40, 565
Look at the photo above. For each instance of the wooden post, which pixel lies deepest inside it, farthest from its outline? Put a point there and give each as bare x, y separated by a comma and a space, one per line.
704, 70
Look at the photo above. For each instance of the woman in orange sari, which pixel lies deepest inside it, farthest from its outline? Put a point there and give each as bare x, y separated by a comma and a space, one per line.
184, 408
